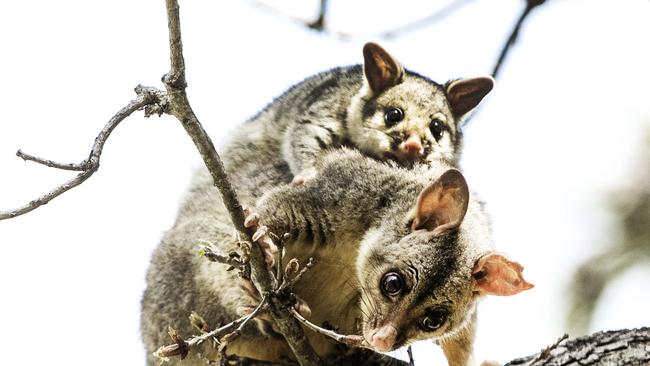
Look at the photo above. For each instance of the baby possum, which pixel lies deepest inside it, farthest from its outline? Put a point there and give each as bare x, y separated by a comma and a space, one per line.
380, 108
401, 255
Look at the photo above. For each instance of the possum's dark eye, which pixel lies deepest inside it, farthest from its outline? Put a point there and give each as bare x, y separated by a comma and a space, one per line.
436, 128
434, 320
391, 284
392, 116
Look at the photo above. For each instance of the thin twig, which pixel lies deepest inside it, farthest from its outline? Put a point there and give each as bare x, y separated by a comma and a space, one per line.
78, 167
180, 107
184, 345
146, 96
546, 352
350, 340
507, 47
530, 5
209, 252
409, 351
289, 283
319, 23
253, 314
437, 16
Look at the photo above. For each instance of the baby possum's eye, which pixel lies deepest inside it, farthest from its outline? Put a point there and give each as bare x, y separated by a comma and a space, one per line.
434, 319
392, 116
436, 128
392, 284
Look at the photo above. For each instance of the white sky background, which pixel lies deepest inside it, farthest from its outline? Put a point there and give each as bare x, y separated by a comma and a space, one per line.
557, 135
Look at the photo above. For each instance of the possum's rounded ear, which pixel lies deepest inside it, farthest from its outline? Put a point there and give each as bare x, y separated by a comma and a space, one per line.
494, 274
465, 94
381, 69
442, 205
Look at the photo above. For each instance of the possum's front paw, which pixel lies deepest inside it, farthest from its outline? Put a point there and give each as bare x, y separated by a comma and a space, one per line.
261, 237
304, 176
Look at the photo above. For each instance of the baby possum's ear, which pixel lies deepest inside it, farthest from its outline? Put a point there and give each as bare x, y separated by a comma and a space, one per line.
494, 274
442, 205
465, 94
381, 69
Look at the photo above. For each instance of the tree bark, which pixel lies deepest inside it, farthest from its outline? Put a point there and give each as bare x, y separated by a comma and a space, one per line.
629, 347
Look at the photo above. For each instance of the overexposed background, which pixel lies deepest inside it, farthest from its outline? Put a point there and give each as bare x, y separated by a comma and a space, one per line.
560, 133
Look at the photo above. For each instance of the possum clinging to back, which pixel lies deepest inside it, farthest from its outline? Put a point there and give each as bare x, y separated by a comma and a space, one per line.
401, 255
380, 108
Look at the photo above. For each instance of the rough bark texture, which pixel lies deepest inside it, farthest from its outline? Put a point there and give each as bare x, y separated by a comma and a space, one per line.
175, 84
629, 347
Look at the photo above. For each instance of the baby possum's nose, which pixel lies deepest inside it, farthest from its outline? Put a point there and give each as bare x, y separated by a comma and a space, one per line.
383, 339
412, 148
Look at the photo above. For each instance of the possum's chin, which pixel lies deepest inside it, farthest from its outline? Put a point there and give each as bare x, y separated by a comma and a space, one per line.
401, 160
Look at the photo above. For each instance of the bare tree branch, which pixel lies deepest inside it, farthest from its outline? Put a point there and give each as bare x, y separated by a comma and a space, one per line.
211, 252
146, 97
409, 351
319, 24
180, 107
289, 283
530, 5
230, 330
630, 347
349, 340
507, 47
53, 164
437, 16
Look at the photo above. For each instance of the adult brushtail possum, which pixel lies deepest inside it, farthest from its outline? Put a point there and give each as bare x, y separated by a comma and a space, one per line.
401, 255
379, 107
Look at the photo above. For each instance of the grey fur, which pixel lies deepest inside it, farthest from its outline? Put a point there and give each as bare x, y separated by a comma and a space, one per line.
360, 229
339, 108
333, 109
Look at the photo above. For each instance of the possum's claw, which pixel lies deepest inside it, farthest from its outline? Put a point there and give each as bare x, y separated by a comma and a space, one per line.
261, 237
261, 232
269, 249
304, 176
252, 219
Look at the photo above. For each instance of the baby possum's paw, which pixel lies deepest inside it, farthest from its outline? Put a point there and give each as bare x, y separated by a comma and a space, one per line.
261, 237
304, 176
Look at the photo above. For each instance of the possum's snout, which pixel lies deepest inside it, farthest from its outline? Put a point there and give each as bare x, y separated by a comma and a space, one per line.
412, 149
383, 339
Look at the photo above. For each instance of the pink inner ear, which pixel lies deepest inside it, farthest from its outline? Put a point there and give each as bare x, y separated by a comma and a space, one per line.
442, 205
494, 274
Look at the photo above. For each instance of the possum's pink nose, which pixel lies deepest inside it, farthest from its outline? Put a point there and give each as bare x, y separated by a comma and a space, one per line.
412, 147
384, 338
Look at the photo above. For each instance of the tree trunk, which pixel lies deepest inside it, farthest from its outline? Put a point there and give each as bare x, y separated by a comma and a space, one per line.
628, 347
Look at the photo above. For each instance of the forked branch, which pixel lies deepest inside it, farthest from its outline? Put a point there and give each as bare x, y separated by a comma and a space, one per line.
152, 98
